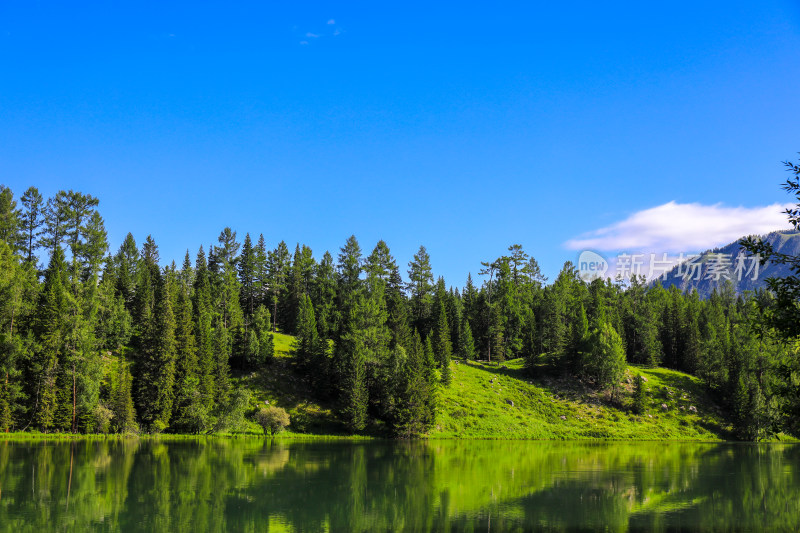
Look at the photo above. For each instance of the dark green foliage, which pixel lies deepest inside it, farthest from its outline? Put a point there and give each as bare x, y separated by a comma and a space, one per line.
232, 412
156, 362
466, 344
416, 393
247, 276
31, 220
278, 264
420, 280
785, 313
10, 223
308, 347
324, 296
354, 377
51, 328
124, 420
204, 332
444, 349
604, 362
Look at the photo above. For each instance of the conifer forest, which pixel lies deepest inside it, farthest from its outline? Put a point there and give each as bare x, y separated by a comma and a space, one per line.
94, 340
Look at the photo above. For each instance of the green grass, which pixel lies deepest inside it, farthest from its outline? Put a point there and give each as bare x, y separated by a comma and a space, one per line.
476, 405
280, 384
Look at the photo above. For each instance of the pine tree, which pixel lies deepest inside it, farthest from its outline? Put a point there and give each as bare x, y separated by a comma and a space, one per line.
156, 363
204, 332
278, 264
420, 284
307, 345
324, 296
126, 262
55, 215
605, 359
444, 349
51, 332
247, 277
260, 277
530, 340
124, 420
32, 220
352, 357
300, 283
579, 340
416, 398
349, 283
222, 354
190, 412
261, 328
466, 343
17, 303
11, 230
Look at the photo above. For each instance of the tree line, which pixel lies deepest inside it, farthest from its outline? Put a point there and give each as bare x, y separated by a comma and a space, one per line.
102, 342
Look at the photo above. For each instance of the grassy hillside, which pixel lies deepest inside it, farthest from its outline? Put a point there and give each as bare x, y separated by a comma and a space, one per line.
500, 401
279, 384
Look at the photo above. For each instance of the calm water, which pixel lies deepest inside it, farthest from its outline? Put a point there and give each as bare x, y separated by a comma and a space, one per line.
255, 485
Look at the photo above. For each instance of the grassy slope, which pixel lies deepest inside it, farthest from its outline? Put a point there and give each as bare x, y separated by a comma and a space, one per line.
280, 385
546, 408
474, 407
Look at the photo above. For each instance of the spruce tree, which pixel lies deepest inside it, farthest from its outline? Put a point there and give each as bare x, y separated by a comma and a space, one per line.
51, 331
416, 397
247, 277
222, 354
420, 284
190, 412
324, 296
605, 359
466, 343
278, 264
11, 227
307, 344
444, 349
32, 220
124, 420
352, 357
156, 364
204, 332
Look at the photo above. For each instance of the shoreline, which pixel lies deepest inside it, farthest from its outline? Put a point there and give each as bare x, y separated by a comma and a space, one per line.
168, 437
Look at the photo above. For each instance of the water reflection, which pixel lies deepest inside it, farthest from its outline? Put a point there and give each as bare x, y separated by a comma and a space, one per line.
258, 485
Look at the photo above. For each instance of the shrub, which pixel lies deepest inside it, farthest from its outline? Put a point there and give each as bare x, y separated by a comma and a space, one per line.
232, 416
272, 419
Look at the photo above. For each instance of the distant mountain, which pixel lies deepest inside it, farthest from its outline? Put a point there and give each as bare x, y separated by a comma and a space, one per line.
712, 268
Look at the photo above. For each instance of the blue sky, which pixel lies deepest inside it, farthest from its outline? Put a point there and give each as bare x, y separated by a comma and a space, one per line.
465, 127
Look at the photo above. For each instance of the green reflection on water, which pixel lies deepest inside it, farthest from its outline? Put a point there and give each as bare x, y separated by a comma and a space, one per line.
256, 485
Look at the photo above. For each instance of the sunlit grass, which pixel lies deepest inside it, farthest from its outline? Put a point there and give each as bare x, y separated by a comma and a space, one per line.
478, 404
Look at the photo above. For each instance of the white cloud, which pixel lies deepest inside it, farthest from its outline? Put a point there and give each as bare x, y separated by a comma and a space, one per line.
674, 227
312, 35
303, 42
331, 21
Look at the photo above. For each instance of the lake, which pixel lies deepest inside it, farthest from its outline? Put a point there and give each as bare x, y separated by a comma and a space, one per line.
249, 484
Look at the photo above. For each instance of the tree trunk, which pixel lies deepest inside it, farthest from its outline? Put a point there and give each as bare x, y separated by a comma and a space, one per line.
73, 397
